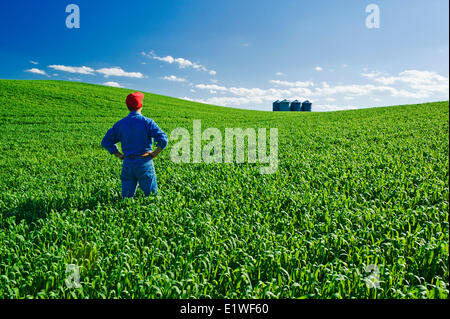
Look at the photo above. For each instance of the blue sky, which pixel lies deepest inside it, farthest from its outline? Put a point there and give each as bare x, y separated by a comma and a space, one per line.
237, 53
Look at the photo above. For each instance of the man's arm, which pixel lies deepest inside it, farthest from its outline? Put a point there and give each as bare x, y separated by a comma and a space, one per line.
159, 137
109, 142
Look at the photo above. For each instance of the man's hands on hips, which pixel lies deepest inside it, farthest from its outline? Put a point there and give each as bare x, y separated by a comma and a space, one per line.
119, 155
153, 154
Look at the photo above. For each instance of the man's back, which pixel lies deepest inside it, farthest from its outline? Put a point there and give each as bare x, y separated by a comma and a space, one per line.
135, 132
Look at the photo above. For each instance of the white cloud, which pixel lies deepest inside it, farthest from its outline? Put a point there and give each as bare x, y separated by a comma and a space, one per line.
113, 84
279, 73
181, 62
292, 84
73, 69
415, 78
107, 72
211, 87
318, 68
240, 95
241, 101
410, 86
173, 78
424, 84
184, 63
117, 71
332, 107
225, 101
36, 71
354, 89
34, 62
371, 75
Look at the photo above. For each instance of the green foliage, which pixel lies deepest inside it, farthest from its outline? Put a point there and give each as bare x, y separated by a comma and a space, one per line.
353, 188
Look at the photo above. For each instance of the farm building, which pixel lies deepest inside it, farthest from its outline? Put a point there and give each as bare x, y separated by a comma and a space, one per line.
276, 105
294, 106
306, 106
285, 105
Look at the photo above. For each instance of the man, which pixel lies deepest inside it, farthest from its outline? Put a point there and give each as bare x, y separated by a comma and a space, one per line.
135, 132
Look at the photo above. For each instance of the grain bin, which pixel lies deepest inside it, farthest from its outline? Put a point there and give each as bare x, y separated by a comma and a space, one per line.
296, 106
285, 105
306, 106
276, 106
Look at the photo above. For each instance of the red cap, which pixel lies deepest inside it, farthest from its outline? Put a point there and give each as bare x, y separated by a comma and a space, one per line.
134, 101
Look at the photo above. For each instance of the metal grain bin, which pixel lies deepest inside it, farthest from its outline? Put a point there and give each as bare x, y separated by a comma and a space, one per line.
296, 106
285, 105
306, 106
276, 106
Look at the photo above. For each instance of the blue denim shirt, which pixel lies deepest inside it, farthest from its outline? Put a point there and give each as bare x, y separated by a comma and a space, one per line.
135, 132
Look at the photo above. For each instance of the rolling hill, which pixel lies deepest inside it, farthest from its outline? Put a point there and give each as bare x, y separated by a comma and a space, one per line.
357, 208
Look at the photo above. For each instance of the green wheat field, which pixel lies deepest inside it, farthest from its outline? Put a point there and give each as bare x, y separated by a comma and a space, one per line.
354, 191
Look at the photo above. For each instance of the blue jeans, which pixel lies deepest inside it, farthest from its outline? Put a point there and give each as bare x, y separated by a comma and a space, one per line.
138, 170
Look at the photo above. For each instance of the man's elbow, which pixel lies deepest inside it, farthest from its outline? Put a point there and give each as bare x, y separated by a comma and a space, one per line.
104, 144
108, 146
162, 143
